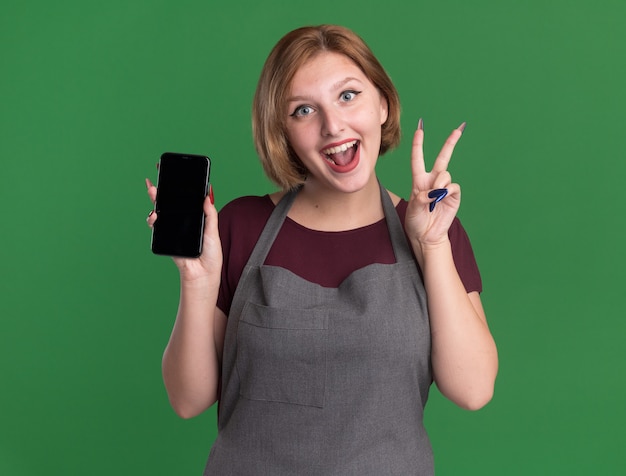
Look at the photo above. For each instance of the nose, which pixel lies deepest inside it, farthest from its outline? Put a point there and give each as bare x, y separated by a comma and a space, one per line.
332, 123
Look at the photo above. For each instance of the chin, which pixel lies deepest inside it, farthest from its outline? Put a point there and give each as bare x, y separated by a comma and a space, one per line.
354, 184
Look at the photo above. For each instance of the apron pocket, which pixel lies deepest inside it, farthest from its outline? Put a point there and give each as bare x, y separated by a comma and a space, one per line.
281, 354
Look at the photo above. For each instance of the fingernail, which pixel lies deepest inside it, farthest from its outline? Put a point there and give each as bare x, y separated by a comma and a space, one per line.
438, 195
420, 125
211, 197
150, 214
462, 127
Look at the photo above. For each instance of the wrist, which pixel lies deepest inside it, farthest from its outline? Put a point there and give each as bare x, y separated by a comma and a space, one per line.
199, 290
194, 279
427, 251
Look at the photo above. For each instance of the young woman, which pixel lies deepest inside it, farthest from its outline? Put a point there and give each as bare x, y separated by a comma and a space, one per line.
320, 315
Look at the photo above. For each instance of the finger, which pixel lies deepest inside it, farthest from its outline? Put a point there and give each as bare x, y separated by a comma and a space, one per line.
451, 195
442, 180
208, 206
152, 216
443, 159
210, 211
152, 190
454, 191
211, 232
417, 152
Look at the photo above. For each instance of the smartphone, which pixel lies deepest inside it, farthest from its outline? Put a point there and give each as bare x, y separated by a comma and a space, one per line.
182, 186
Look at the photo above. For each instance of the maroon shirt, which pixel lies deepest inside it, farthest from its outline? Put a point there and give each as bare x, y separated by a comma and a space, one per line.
322, 257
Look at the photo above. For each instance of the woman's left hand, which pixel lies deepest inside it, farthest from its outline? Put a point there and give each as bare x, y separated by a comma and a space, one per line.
427, 226
464, 356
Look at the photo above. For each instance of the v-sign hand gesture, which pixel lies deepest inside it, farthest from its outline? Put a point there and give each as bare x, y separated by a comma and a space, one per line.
427, 221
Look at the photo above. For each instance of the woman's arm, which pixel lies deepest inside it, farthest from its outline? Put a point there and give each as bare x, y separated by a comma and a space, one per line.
464, 355
191, 361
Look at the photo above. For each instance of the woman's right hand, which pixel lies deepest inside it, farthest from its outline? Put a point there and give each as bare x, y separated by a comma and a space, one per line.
191, 361
209, 264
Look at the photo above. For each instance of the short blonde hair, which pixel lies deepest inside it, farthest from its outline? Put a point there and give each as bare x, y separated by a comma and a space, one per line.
279, 161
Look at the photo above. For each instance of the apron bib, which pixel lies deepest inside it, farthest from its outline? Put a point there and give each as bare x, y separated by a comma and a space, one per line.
325, 381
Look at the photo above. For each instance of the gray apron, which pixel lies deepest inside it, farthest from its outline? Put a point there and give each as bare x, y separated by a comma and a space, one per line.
325, 381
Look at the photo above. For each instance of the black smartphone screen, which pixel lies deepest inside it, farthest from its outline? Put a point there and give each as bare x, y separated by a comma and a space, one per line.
181, 189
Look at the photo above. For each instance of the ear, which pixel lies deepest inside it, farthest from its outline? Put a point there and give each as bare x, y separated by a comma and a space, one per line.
384, 109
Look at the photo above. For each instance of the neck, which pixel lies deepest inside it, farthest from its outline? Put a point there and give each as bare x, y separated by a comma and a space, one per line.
327, 209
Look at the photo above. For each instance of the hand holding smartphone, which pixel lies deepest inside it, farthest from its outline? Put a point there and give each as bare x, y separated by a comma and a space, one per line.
182, 186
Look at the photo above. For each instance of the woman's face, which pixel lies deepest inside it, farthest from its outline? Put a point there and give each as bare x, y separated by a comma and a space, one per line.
334, 118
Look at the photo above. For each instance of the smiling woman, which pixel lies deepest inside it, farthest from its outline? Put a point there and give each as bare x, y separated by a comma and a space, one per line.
274, 91
335, 126
333, 304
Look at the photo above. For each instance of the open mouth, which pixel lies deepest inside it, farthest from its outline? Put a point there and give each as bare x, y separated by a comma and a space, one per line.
341, 155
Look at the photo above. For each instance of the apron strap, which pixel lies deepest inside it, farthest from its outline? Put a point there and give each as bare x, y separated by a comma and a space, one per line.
272, 227
399, 242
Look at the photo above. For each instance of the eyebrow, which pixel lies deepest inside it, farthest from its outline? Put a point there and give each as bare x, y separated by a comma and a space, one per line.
334, 87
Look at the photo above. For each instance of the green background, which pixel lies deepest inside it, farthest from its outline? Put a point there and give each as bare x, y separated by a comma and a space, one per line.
94, 92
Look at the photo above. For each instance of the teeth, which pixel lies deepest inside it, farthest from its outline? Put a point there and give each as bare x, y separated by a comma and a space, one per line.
339, 148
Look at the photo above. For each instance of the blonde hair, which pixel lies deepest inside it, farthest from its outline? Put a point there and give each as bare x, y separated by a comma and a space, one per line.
292, 51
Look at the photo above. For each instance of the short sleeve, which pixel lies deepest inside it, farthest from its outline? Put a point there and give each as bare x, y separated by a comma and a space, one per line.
464, 258
240, 225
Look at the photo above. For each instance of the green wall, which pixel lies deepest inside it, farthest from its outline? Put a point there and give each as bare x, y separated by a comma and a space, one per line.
94, 92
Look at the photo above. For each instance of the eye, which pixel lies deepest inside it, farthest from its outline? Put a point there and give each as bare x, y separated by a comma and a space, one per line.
349, 95
302, 111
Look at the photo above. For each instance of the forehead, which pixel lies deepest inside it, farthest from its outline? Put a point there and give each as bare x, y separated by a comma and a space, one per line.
326, 69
